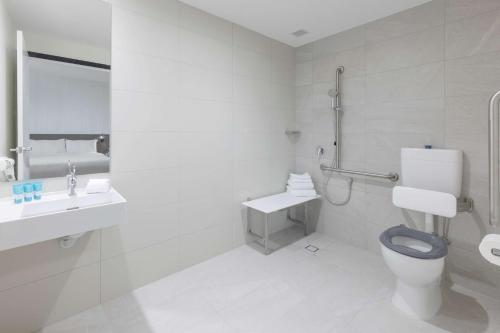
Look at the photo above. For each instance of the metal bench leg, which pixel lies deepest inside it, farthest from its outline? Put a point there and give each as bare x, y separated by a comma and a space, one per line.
249, 227
266, 234
306, 219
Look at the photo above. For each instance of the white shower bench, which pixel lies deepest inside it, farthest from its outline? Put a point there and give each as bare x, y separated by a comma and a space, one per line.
275, 203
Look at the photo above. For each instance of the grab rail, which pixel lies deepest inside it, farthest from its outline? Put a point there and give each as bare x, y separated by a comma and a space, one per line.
390, 176
493, 157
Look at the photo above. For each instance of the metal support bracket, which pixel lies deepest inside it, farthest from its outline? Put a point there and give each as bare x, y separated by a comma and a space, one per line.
465, 205
263, 240
294, 220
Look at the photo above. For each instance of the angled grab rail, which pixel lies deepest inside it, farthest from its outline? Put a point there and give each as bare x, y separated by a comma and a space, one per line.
493, 157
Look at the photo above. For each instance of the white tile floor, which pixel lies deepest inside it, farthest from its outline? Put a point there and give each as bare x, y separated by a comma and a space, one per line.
340, 288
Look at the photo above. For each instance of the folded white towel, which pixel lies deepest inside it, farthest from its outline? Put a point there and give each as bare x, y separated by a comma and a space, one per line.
299, 180
301, 185
302, 193
98, 186
298, 176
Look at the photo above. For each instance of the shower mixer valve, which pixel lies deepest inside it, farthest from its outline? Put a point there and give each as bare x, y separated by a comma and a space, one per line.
320, 151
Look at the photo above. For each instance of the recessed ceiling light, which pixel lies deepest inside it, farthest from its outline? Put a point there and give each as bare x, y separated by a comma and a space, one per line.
299, 33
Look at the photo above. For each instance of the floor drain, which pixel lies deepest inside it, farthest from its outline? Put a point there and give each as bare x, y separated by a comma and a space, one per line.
312, 248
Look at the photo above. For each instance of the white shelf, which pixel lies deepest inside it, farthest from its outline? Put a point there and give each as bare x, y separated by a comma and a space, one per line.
277, 202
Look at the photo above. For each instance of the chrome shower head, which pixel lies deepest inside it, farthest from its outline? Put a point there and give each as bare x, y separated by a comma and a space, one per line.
335, 93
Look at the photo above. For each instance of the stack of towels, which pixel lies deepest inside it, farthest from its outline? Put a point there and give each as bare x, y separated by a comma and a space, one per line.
301, 185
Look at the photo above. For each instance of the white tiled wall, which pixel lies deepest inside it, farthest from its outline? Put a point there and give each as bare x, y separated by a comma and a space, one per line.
199, 111
422, 76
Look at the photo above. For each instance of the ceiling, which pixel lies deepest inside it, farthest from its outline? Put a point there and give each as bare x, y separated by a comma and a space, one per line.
85, 21
279, 18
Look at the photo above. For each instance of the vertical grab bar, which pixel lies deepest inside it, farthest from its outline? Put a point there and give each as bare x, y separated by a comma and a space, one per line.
493, 157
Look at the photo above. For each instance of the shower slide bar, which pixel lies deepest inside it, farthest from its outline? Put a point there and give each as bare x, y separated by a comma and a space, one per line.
390, 176
493, 157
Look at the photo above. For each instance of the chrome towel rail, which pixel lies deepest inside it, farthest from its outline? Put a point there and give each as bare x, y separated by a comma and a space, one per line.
390, 176
493, 157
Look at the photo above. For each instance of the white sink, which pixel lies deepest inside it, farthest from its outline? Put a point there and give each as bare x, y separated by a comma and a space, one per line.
61, 201
58, 215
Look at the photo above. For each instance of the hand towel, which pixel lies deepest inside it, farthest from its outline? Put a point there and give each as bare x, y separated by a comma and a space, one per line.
98, 186
302, 193
299, 180
302, 176
301, 186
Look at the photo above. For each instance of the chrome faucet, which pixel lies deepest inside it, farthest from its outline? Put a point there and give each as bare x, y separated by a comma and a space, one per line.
71, 179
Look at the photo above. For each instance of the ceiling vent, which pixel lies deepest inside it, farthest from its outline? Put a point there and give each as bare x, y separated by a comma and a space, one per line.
299, 33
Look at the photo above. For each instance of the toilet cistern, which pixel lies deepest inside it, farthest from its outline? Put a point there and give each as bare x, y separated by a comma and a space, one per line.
431, 182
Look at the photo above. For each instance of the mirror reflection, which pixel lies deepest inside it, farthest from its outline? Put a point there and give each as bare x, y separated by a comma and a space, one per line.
63, 86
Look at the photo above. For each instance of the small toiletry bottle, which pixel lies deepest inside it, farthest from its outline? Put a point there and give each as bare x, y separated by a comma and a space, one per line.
28, 192
18, 193
37, 190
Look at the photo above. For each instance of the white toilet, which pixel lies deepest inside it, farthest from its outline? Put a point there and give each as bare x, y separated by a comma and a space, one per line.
431, 183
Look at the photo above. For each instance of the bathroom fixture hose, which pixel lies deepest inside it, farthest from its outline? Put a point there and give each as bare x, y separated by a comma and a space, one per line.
326, 181
336, 107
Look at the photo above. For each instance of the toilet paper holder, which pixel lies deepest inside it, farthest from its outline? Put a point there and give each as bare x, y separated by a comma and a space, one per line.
490, 248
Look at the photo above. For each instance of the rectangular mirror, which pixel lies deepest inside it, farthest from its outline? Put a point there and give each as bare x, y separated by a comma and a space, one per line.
63, 86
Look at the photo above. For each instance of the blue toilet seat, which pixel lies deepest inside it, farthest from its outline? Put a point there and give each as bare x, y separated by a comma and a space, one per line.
439, 248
